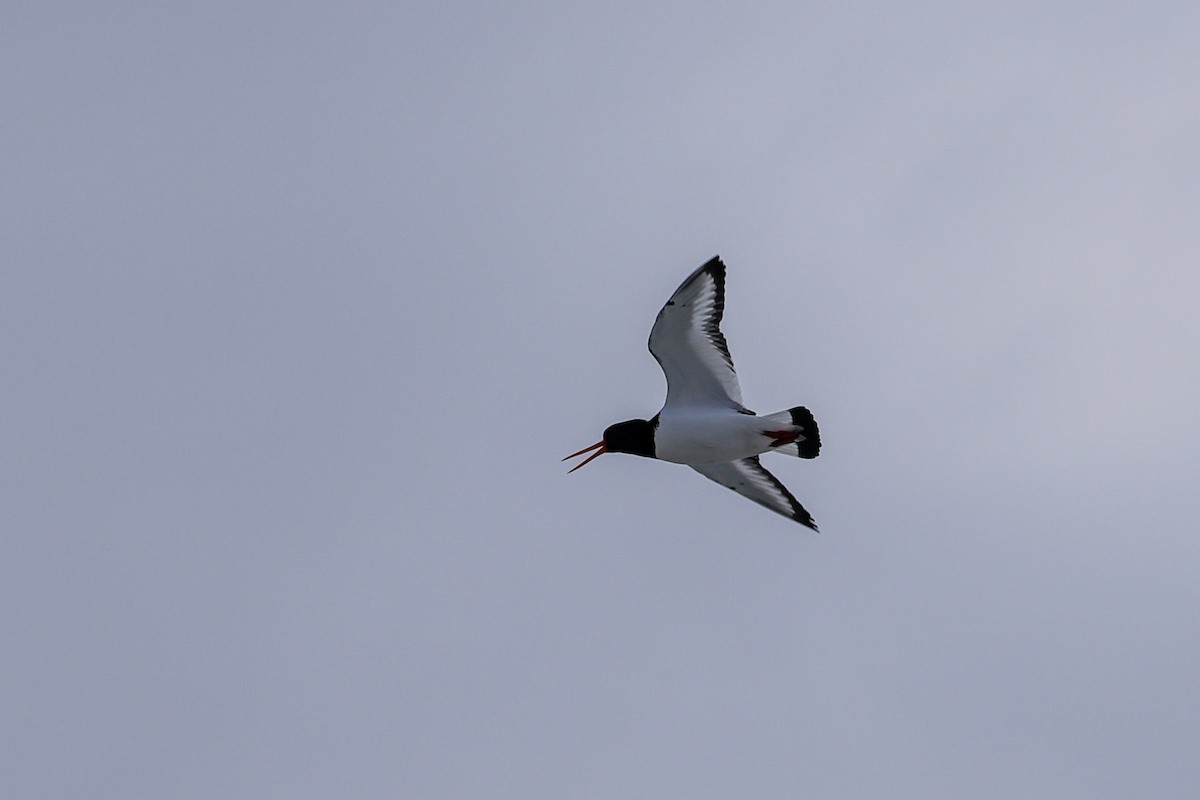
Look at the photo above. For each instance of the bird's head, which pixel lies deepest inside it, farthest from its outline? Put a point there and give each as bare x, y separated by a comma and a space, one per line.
633, 436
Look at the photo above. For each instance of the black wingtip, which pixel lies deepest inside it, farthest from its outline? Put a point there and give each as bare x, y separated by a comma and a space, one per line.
801, 515
715, 267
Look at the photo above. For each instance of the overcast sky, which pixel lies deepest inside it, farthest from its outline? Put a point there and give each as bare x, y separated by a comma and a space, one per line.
300, 306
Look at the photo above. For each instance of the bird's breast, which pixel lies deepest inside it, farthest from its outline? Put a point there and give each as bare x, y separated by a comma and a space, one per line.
708, 437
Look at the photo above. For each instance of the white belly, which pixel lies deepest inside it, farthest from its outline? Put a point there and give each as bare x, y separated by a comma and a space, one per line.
709, 437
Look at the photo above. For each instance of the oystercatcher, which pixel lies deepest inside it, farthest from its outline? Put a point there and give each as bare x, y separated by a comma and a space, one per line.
703, 423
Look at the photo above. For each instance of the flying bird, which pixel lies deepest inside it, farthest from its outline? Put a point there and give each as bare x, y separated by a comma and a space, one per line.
703, 423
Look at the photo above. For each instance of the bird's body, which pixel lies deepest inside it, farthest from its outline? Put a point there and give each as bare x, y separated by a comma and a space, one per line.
703, 423
708, 436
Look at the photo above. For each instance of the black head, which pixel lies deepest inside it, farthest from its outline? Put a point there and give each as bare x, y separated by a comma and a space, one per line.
634, 436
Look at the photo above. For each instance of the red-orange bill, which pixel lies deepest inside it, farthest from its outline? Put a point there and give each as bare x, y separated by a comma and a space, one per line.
596, 454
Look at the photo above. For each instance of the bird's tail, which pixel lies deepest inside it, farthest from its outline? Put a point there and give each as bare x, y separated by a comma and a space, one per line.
808, 444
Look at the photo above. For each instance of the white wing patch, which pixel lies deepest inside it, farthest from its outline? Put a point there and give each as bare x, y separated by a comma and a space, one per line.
687, 342
751, 480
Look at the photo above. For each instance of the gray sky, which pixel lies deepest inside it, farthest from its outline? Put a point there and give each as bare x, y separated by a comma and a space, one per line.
300, 307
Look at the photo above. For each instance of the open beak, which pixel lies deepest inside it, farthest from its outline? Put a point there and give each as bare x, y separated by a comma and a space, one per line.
599, 452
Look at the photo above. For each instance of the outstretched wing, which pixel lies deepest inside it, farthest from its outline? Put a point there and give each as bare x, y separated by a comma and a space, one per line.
751, 480
687, 342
